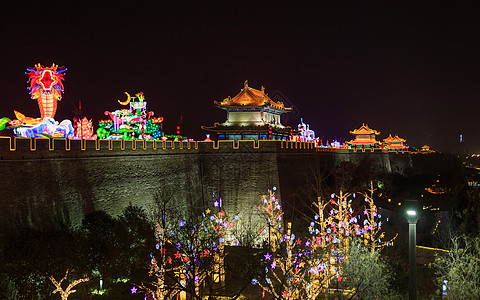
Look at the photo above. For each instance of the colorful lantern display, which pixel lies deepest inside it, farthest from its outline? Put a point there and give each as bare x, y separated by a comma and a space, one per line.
46, 128
46, 87
84, 129
136, 122
306, 134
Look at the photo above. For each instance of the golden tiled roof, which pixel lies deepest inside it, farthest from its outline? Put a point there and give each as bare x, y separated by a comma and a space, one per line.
364, 130
250, 97
395, 139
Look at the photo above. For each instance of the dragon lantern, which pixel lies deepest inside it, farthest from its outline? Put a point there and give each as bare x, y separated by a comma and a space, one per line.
46, 87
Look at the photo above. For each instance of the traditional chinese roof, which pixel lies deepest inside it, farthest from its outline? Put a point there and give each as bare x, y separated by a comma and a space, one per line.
426, 149
394, 139
250, 97
364, 130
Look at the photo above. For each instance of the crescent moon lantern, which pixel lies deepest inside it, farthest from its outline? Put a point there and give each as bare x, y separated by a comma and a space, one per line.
126, 101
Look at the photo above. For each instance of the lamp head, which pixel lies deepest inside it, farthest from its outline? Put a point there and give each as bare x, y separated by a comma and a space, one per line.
411, 208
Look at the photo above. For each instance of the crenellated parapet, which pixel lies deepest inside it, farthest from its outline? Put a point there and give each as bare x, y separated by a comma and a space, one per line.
20, 144
18, 147
34, 148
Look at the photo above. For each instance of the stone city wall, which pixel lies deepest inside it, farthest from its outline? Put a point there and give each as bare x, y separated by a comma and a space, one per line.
54, 181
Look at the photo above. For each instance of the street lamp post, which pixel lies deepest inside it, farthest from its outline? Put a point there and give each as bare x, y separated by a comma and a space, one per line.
412, 218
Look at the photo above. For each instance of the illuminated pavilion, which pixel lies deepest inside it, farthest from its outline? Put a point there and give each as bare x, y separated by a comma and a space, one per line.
395, 143
426, 149
364, 138
251, 115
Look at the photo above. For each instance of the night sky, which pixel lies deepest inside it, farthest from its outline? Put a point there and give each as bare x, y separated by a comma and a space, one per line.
406, 69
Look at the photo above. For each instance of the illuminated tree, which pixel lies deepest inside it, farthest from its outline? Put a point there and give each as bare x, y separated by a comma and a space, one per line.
359, 270
372, 229
189, 259
340, 222
221, 224
184, 259
279, 281
159, 269
294, 268
332, 227
161, 265
29, 256
64, 293
320, 220
273, 212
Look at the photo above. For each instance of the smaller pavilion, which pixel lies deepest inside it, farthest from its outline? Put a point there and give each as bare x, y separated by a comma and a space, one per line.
364, 138
395, 143
251, 115
426, 149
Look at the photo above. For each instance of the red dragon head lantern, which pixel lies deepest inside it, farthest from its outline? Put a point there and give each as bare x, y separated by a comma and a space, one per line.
46, 87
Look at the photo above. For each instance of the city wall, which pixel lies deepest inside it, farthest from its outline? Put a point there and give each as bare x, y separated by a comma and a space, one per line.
58, 181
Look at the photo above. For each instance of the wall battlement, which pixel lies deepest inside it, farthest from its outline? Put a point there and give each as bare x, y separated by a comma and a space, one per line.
17, 147
24, 148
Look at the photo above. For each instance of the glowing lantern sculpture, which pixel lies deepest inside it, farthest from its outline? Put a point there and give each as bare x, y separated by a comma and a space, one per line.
132, 123
46, 87
84, 129
306, 134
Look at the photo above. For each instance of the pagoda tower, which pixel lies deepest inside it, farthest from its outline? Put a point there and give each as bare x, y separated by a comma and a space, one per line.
364, 138
395, 143
251, 115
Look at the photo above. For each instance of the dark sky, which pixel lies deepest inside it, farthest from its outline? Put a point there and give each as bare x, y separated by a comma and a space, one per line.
407, 69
